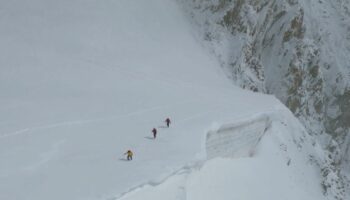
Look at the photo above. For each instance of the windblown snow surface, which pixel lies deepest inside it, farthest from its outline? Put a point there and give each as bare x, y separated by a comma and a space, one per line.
82, 81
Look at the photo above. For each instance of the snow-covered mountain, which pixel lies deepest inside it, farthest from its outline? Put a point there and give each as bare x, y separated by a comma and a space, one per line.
297, 50
83, 81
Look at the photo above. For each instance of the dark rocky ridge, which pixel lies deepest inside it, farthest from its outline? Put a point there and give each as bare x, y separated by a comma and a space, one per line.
297, 51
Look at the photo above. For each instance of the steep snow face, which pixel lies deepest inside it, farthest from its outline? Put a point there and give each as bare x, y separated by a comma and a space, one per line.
297, 50
233, 140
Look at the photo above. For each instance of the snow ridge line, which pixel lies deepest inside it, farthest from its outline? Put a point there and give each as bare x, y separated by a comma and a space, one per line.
188, 168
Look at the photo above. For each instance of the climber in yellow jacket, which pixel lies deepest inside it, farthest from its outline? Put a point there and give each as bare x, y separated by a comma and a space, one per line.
129, 155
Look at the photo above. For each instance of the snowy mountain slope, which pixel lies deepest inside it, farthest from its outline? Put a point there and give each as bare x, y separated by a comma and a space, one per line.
83, 81
297, 50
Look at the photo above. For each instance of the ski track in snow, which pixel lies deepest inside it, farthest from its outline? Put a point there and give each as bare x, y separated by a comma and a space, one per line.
80, 122
46, 156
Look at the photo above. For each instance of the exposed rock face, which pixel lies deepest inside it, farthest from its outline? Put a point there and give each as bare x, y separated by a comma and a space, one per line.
298, 50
